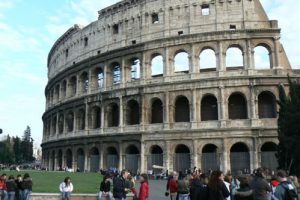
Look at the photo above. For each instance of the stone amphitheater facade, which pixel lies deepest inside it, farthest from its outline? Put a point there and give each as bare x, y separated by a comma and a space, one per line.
132, 89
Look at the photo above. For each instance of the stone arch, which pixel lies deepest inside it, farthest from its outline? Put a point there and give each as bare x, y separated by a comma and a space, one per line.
182, 109
95, 117
207, 59
262, 56
69, 159
132, 158
237, 106
84, 82
234, 57
64, 89
112, 158
156, 111
61, 122
72, 86
182, 158
70, 121
94, 159
157, 65
209, 108
60, 160
115, 73
155, 157
80, 119
54, 123
268, 155
98, 78
209, 158
239, 158
181, 61
135, 67
267, 105
133, 112
57, 92
113, 115
80, 160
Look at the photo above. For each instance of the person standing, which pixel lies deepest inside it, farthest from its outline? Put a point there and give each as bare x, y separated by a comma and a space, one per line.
217, 189
3, 188
244, 192
66, 188
19, 190
183, 188
11, 187
172, 186
105, 189
27, 187
260, 186
144, 189
285, 190
119, 186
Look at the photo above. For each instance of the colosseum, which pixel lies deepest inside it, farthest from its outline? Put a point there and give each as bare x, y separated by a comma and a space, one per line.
171, 83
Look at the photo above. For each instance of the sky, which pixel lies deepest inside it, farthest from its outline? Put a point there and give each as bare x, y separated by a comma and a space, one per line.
28, 29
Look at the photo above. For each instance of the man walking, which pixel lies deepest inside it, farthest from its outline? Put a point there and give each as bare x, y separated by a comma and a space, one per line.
119, 186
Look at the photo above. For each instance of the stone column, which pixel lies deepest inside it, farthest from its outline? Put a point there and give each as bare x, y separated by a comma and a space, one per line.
222, 106
167, 156
120, 156
250, 55
194, 110
86, 159
195, 156
142, 157
123, 72
221, 58
253, 105
121, 116
74, 163
143, 113
275, 60
105, 76
77, 90
166, 112
254, 162
86, 118
57, 116
168, 71
103, 116
101, 156
225, 164
194, 61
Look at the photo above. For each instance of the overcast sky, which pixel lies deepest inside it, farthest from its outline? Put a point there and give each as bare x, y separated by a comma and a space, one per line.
28, 29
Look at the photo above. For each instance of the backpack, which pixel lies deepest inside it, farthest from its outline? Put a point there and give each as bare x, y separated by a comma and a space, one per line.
290, 193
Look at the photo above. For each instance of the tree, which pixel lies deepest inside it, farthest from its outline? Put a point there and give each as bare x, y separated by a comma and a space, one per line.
27, 146
17, 150
289, 128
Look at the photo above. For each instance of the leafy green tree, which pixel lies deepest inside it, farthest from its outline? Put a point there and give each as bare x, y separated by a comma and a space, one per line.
289, 128
17, 150
27, 146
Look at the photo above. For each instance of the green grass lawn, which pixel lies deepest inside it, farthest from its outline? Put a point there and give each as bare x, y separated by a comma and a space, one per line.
48, 182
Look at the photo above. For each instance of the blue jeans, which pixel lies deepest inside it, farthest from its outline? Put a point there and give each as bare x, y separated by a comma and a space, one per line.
11, 195
183, 197
3, 195
26, 194
119, 199
108, 195
65, 195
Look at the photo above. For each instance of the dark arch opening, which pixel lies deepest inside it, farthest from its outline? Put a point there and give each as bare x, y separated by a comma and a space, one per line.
70, 121
80, 160
267, 105
69, 159
98, 78
268, 156
157, 111
156, 149
84, 82
81, 119
237, 106
96, 117
61, 123
64, 89
239, 158
132, 150
209, 148
182, 160
210, 159
116, 73
182, 149
73, 86
182, 109
133, 112
94, 159
132, 160
60, 159
112, 159
209, 108
113, 115
155, 158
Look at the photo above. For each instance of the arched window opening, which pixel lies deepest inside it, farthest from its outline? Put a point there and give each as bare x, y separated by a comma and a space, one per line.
84, 82
157, 66
157, 111
73, 86
112, 159
94, 160
155, 158
132, 160
54, 121
133, 112
116, 73
262, 58
268, 156
240, 158
210, 159
182, 160
81, 119
64, 89
181, 62
60, 159
237, 106
267, 105
96, 117
53, 161
69, 159
135, 69
98, 78
182, 110
80, 160
70, 121
57, 93
234, 58
113, 115
209, 108
208, 61
61, 124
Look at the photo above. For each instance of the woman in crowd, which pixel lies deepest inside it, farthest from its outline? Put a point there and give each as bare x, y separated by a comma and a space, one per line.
216, 188
66, 188
172, 186
11, 187
244, 192
144, 189
26, 186
183, 188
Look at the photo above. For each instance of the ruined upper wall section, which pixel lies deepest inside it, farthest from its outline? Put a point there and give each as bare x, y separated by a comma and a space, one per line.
131, 22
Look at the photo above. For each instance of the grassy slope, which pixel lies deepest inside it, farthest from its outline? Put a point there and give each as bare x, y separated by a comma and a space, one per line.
48, 182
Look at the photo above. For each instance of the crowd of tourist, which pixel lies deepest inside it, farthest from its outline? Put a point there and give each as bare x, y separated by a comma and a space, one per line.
18, 188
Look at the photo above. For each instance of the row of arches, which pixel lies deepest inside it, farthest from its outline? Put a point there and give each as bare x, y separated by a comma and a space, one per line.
100, 77
210, 158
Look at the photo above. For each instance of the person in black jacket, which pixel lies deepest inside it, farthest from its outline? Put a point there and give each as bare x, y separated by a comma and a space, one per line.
120, 186
217, 189
244, 192
19, 190
198, 189
27, 187
11, 187
105, 188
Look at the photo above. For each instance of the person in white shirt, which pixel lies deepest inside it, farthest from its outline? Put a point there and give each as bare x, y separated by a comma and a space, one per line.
66, 188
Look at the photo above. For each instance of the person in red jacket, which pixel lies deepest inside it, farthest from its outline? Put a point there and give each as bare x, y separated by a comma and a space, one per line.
172, 186
3, 187
144, 189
